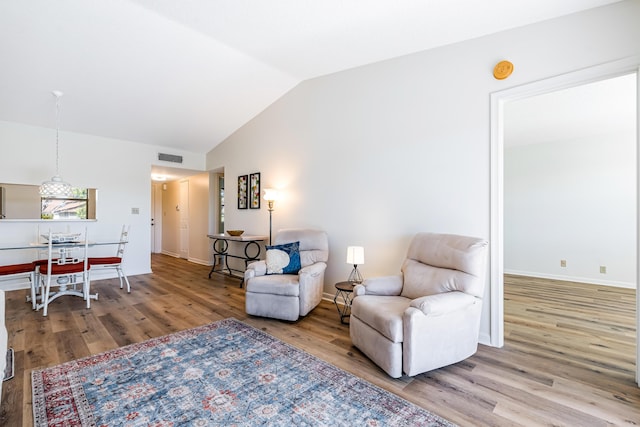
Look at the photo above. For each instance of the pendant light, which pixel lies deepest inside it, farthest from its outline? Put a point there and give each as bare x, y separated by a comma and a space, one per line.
56, 187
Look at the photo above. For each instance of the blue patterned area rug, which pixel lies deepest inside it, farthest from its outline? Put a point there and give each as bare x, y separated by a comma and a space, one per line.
226, 373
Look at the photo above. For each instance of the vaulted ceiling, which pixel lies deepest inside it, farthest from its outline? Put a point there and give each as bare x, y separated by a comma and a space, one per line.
185, 74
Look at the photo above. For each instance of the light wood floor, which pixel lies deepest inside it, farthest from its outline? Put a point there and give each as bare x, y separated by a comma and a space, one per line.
568, 357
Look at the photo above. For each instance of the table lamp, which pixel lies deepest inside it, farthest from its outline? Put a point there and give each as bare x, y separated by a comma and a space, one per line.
355, 257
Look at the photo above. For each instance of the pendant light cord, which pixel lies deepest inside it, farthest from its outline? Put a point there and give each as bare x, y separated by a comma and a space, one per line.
56, 187
57, 95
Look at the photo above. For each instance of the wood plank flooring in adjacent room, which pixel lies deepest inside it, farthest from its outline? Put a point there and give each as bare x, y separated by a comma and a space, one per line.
569, 357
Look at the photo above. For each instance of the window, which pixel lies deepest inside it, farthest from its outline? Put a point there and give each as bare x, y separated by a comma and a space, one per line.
74, 207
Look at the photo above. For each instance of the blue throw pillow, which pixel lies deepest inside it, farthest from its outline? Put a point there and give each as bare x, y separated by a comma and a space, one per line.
283, 259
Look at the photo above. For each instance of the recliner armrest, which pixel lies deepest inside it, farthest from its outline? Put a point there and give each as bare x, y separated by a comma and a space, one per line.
257, 268
384, 285
439, 304
313, 270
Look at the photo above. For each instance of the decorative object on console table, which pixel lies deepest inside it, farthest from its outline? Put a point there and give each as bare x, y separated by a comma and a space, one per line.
270, 195
254, 185
242, 191
355, 257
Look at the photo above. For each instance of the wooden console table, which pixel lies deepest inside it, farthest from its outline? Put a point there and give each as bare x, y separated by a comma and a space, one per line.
251, 251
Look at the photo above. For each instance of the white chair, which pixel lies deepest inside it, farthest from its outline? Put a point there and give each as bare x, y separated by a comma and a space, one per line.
289, 296
18, 271
428, 316
114, 262
4, 341
67, 269
42, 259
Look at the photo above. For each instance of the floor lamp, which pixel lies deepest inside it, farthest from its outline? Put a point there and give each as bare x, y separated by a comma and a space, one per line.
270, 195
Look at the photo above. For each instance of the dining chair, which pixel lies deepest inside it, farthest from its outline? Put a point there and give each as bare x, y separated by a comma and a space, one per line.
41, 259
115, 262
4, 345
67, 269
21, 271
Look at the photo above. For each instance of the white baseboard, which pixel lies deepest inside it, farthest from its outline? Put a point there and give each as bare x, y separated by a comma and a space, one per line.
173, 254
190, 259
485, 339
208, 263
589, 280
327, 296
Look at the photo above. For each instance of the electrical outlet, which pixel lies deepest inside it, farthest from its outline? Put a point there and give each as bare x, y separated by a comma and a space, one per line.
603, 269
563, 263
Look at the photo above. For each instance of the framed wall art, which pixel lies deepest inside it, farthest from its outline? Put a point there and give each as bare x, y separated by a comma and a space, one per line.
242, 191
254, 194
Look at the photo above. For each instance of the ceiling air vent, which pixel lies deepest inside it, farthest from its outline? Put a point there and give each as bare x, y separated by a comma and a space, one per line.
169, 157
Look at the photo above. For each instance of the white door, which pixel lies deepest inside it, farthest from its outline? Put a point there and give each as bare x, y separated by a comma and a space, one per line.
184, 219
156, 217
153, 222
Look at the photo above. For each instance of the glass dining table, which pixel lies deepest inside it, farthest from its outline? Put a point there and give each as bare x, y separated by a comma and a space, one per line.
45, 245
60, 248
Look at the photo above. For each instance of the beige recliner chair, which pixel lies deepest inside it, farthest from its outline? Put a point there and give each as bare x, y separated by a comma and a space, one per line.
428, 316
289, 296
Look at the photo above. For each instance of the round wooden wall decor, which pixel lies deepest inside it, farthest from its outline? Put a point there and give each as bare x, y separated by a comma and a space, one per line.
502, 70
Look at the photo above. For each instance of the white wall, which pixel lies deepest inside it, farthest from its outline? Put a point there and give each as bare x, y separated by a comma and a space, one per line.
572, 200
375, 154
120, 170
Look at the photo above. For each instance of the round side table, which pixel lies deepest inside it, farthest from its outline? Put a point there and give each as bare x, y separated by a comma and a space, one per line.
344, 290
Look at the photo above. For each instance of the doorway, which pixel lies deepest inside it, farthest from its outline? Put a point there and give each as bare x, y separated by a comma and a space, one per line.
498, 101
183, 218
156, 216
569, 184
220, 210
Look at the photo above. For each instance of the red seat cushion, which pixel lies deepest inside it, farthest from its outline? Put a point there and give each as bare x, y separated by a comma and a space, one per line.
40, 262
6, 270
105, 260
63, 269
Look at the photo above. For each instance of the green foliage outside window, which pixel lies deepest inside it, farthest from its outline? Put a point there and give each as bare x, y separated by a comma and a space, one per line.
74, 207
